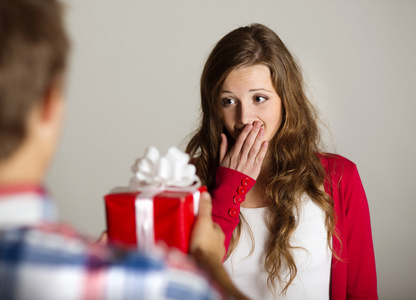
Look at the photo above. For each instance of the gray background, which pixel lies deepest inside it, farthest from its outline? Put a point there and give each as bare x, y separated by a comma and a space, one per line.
134, 80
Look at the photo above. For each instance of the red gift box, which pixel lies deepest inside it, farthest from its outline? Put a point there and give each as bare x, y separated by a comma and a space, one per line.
173, 216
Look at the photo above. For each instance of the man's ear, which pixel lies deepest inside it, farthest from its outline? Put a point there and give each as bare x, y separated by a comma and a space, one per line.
52, 103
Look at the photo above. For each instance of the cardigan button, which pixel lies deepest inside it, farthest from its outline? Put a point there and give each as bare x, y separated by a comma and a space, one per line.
238, 199
245, 181
241, 190
232, 212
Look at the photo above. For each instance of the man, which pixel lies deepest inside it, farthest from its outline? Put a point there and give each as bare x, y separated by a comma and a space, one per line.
40, 259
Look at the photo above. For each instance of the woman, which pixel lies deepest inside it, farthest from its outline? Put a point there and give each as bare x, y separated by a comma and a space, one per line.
305, 227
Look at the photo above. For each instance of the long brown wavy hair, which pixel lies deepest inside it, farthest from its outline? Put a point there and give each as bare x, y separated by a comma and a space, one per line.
295, 167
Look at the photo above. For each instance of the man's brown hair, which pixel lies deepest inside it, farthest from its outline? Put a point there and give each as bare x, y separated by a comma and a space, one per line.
33, 54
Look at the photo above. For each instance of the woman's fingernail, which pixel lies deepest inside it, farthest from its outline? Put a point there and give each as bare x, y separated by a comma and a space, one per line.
249, 126
261, 132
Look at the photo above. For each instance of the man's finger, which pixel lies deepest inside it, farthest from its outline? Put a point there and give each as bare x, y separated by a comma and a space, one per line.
103, 240
205, 205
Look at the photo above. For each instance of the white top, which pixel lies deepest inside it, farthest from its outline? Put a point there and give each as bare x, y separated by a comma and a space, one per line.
314, 263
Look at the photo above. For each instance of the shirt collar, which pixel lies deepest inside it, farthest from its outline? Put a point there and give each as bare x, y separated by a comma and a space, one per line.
21, 188
25, 205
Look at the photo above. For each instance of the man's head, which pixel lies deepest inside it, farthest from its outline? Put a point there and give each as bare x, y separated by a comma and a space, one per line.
33, 56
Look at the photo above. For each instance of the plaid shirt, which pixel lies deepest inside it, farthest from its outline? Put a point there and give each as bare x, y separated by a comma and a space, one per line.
40, 259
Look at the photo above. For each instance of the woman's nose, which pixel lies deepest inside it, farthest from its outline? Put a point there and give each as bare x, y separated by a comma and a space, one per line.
245, 114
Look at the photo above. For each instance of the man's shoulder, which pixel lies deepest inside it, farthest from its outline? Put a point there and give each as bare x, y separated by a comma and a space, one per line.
45, 243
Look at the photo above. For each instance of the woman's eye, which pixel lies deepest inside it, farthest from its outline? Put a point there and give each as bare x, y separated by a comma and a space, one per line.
227, 102
260, 99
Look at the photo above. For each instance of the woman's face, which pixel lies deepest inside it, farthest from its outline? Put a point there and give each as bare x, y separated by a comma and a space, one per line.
248, 96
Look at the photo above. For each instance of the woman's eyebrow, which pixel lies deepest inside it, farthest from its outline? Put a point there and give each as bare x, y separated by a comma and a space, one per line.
259, 89
250, 90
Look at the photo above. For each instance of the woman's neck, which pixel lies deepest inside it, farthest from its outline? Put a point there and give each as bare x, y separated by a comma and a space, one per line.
256, 197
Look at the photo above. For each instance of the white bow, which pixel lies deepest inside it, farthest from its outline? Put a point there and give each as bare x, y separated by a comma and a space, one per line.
172, 170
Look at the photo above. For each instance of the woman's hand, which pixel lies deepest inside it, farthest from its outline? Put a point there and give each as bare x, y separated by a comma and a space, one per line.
248, 152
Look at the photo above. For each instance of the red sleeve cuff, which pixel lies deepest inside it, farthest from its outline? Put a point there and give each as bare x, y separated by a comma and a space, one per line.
230, 191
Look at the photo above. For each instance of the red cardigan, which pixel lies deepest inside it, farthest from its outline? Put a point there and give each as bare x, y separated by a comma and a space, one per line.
355, 276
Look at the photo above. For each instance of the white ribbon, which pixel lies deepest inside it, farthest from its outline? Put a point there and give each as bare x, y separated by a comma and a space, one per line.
154, 174
145, 231
197, 196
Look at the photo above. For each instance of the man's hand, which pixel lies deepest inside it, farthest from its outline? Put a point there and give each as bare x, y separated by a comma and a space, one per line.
207, 246
207, 240
103, 239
